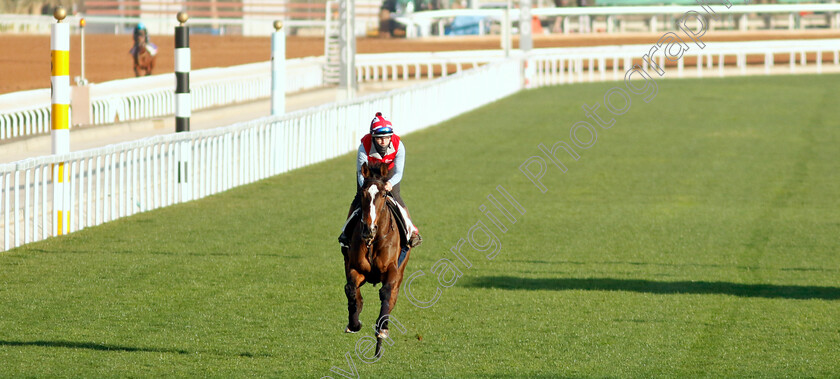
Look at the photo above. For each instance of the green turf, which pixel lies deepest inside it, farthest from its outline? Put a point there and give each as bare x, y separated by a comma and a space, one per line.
697, 238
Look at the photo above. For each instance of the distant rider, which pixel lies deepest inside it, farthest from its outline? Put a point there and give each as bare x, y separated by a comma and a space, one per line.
141, 36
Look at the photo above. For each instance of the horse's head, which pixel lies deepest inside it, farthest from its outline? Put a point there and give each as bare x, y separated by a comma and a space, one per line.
373, 199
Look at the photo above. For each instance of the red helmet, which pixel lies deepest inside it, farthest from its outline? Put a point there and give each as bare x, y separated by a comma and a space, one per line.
380, 127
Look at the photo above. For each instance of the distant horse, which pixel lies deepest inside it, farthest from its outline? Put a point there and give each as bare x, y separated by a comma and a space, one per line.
144, 57
375, 254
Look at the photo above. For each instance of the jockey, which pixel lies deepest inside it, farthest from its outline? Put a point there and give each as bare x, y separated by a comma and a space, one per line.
141, 31
381, 146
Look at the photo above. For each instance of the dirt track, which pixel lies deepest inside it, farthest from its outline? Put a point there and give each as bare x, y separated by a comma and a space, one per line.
26, 63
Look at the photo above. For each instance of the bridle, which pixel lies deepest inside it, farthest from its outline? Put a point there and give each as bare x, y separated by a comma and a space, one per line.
371, 208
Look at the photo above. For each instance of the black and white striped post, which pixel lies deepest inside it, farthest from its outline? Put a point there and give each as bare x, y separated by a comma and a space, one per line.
183, 106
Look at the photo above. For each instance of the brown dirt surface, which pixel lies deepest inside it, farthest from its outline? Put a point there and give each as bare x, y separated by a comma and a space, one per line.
26, 62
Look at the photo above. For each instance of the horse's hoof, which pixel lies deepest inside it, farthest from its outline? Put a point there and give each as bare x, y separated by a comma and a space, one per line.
353, 330
382, 333
347, 330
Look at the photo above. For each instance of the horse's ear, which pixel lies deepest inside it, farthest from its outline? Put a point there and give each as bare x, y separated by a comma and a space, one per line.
383, 170
365, 171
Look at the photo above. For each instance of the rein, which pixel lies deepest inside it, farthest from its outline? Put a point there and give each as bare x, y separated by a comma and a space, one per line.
380, 236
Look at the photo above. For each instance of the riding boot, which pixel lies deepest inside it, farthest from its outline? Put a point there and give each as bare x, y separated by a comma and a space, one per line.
346, 231
415, 239
343, 240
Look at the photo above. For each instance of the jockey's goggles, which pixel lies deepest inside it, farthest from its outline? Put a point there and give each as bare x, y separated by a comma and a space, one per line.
384, 131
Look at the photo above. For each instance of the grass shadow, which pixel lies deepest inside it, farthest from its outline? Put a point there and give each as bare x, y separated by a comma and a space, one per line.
631, 263
90, 346
770, 291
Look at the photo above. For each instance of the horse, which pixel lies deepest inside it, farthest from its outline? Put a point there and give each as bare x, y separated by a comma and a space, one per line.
376, 253
143, 59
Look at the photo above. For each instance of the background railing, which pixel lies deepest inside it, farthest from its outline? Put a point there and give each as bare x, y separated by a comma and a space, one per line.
648, 18
421, 24
28, 113
119, 180
24, 113
586, 64
134, 99
120, 16
404, 66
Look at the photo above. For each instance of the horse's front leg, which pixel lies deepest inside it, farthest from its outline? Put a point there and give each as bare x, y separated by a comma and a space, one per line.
388, 296
354, 300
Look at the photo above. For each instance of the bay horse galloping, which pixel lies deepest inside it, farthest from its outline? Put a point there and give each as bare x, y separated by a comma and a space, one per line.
377, 252
144, 55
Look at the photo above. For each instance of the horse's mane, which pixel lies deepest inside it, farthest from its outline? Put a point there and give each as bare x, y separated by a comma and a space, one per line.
375, 175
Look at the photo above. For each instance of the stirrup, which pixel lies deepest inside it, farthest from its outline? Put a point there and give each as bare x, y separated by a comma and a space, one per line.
415, 240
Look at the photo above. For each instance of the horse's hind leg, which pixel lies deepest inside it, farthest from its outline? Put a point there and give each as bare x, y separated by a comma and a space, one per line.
354, 300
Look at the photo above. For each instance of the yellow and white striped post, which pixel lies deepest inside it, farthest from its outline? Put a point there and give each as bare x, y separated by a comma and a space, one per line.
60, 115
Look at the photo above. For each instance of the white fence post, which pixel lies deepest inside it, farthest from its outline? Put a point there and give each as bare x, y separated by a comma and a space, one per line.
278, 70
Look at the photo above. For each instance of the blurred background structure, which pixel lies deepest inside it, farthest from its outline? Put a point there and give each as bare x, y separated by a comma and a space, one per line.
410, 18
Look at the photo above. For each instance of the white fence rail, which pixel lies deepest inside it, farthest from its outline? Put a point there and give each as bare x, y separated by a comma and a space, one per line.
209, 88
393, 66
253, 26
119, 180
24, 113
586, 64
28, 113
142, 98
420, 24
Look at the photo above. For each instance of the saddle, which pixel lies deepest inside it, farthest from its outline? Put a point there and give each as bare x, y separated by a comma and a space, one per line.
403, 228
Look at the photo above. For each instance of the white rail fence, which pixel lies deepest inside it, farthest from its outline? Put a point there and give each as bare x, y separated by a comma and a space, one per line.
119, 180
613, 19
24, 113
253, 26
586, 64
421, 24
393, 66
28, 113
